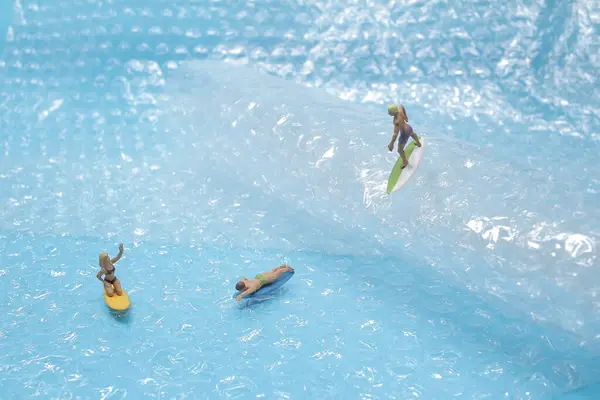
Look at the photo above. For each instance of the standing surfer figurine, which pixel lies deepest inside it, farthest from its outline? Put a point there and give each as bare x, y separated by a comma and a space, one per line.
401, 126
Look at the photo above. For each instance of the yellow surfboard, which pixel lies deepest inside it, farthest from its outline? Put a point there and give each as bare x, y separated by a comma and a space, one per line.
116, 302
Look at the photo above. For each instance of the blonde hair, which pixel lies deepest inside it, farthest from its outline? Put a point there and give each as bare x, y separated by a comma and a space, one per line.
103, 259
402, 111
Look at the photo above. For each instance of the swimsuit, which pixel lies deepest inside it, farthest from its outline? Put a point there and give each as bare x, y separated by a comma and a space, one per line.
112, 271
260, 278
405, 134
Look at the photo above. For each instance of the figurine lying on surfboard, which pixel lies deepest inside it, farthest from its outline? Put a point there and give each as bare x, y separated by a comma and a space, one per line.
246, 287
401, 126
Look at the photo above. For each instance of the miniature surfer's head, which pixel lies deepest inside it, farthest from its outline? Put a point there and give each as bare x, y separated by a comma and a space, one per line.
104, 259
240, 286
393, 110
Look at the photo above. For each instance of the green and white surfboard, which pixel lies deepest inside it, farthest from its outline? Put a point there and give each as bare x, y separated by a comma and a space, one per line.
398, 176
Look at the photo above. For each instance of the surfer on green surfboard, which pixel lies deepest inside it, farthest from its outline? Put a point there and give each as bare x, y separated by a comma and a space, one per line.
401, 126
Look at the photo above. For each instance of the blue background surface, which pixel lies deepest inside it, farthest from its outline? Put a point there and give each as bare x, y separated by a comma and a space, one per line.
217, 139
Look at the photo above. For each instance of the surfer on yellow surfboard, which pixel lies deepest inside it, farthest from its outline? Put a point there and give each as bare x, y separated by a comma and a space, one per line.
114, 295
107, 268
401, 126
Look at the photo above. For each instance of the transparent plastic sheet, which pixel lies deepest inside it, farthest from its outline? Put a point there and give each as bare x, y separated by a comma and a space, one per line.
226, 145
497, 229
81, 80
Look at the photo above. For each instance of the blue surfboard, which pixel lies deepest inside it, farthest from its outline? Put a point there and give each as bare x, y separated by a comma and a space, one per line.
263, 293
